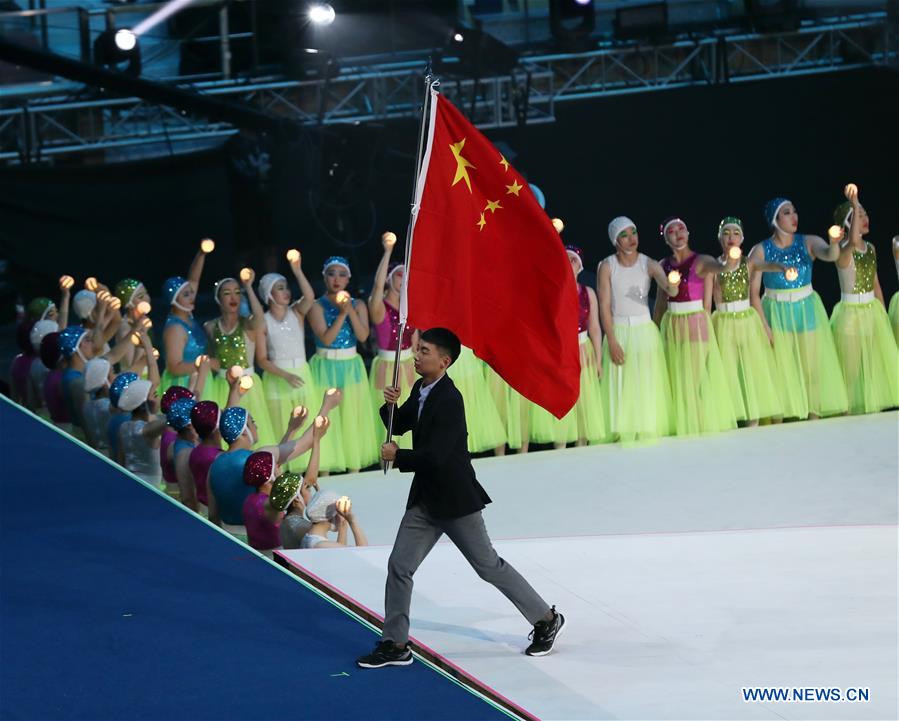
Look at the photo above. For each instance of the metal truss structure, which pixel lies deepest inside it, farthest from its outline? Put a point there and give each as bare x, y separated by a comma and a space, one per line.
80, 120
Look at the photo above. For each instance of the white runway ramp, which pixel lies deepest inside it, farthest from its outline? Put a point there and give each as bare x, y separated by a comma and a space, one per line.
688, 571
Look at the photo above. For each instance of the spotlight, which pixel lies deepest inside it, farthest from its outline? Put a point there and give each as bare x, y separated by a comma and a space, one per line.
113, 48
125, 40
458, 37
322, 14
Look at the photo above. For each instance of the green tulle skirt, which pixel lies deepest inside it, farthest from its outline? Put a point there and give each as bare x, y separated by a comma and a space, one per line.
281, 398
485, 427
638, 393
867, 351
894, 315
353, 441
700, 393
749, 364
586, 422
213, 389
810, 378
379, 377
254, 401
514, 409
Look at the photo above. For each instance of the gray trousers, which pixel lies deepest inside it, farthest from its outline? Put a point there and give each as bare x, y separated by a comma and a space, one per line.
418, 533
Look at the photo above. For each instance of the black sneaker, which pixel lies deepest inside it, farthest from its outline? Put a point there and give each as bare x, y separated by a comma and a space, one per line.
386, 654
545, 634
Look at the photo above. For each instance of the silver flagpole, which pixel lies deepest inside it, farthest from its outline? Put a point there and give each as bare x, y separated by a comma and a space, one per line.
422, 127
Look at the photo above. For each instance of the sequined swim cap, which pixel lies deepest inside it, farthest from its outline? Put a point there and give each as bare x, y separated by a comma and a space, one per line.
172, 287
38, 308
772, 208
96, 374
178, 415
205, 418
285, 489
70, 338
337, 260
172, 394
842, 214
125, 290
118, 386
730, 220
39, 331
232, 423
259, 469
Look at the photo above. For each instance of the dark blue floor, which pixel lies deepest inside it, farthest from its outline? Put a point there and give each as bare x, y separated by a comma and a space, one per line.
116, 604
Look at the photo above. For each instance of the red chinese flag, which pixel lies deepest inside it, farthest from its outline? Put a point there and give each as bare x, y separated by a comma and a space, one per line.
487, 263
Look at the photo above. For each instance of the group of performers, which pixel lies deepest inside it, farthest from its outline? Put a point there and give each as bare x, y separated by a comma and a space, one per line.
734, 338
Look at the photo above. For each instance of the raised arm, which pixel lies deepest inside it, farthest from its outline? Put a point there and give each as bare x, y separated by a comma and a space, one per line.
307, 297
376, 300
257, 316
65, 298
195, 272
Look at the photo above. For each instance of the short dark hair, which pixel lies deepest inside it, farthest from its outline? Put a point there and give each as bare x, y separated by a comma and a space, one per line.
445, 340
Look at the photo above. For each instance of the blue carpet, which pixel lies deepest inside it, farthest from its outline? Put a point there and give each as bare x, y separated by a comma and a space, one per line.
116, 604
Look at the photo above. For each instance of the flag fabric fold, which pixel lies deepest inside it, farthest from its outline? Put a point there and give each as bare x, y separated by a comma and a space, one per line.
487, 263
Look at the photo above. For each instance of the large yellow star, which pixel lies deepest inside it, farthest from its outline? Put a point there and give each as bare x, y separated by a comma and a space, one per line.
503, 161
492, 205
514, 188
482, 222
461, 164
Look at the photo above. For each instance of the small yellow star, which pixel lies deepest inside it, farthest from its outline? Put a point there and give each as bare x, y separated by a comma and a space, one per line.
481, 223
461, 164
492, 205
503, 161
514, 188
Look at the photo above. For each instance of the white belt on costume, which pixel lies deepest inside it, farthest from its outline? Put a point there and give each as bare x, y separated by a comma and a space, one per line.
789, 296
583, 336
336, 353
688, 306
290, 363
641, 319
390, 355
857, 298
737, 306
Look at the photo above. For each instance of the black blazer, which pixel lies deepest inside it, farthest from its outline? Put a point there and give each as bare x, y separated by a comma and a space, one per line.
444, 481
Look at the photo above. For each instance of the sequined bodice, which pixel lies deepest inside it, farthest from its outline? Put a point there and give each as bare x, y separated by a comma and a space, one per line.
196, 337
387, 331
691, 285
630, 287
285, 339
859, 276
345, 337
735, 284
583, 308
230, 348
793, 256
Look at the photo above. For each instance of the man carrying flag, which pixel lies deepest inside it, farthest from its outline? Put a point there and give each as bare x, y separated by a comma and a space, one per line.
472, 216
445, 497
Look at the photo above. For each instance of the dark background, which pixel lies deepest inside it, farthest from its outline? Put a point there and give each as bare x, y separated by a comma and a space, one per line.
700, 153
